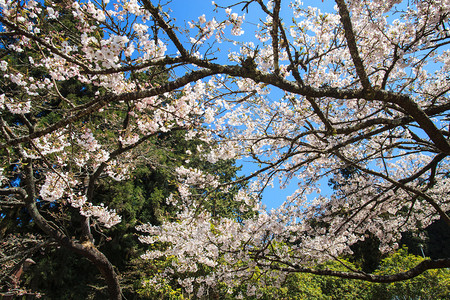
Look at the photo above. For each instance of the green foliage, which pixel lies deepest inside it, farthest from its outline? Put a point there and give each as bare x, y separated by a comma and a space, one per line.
140, 199
296, 287
366, 253
433, 284
61, 274
433, 241
339, 288
164, 290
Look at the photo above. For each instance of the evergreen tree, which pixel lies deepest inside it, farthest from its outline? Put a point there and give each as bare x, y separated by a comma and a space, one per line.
139, 199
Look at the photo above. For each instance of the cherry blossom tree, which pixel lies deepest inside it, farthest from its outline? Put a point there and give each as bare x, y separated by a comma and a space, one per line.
304, 95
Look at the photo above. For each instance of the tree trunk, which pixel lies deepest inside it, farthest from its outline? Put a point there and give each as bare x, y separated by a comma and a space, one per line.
86, 249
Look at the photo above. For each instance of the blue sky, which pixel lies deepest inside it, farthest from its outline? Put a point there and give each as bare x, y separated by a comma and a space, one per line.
184, 11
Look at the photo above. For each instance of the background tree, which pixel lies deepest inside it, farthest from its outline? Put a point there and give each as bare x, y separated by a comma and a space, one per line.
141, 198
35, 166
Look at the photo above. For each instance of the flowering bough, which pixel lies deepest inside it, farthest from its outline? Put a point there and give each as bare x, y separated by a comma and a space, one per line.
58, 145
364, 89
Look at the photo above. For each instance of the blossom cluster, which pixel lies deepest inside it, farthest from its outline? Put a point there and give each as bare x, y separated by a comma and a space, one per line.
318, 99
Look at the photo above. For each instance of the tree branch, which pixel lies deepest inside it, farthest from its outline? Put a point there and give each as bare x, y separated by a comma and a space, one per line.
423, 266
351, 42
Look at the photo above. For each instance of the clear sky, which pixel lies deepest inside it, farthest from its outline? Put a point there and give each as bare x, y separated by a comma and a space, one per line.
185, 11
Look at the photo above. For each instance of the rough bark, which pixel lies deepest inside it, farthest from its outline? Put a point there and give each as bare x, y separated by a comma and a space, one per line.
86, 249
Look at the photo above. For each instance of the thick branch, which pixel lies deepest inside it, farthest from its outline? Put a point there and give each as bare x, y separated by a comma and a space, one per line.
96, 104
19, 31
415, 191
414, 110
87, 250
411, 273
14, 191
274, 34
166, 27
351, 42
429, 166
